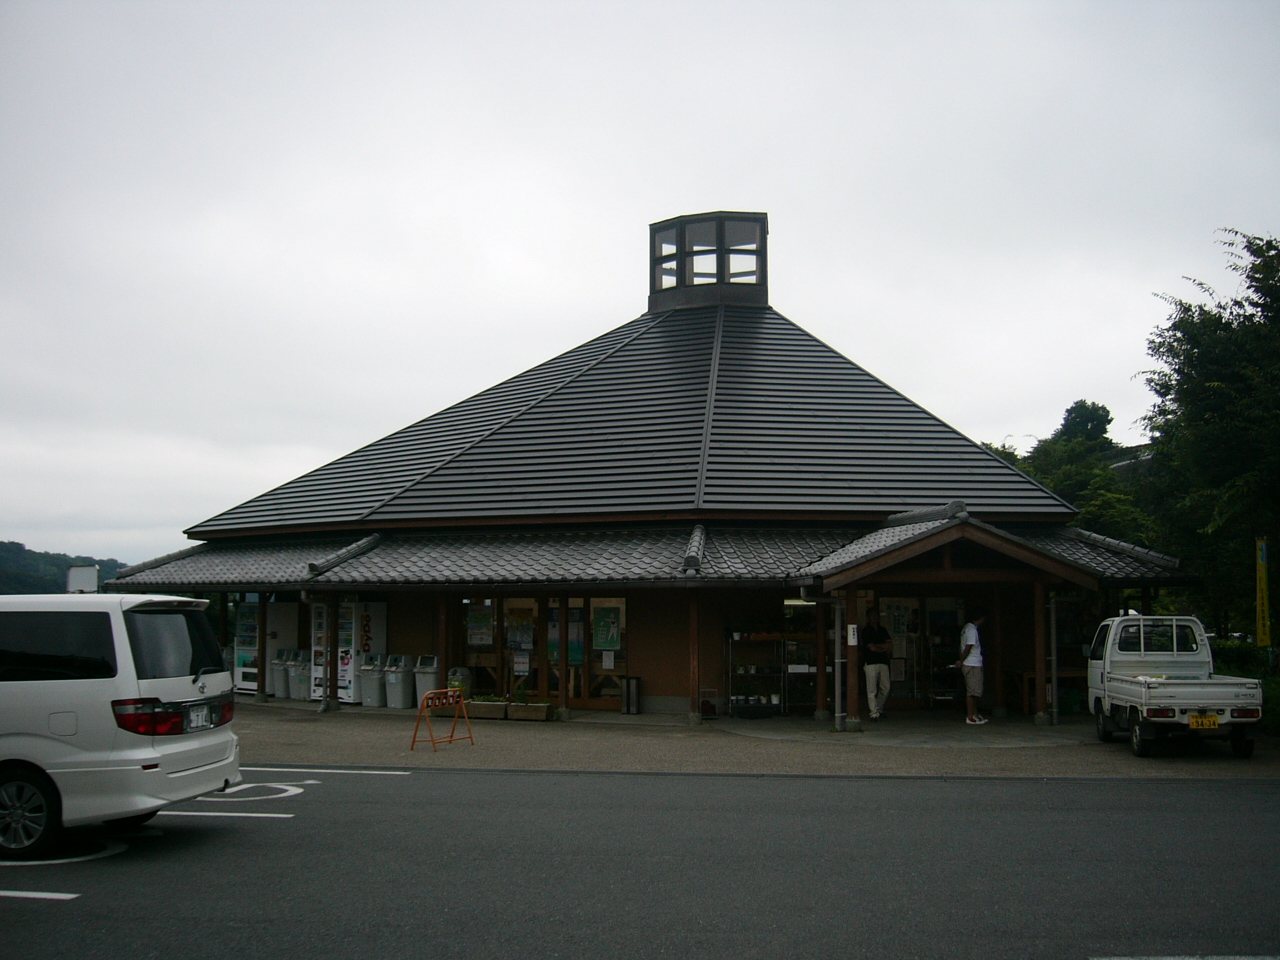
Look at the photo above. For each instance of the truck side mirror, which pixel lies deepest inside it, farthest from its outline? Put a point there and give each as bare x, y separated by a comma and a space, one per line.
1086, 649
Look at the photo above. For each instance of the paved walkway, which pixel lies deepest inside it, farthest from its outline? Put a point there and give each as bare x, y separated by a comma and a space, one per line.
915, 743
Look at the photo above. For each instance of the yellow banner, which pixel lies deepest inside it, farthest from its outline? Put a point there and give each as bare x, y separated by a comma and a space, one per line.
1264, 605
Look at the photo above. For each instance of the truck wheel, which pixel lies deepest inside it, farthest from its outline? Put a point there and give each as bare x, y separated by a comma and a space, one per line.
1241, 746
1141, 747
1105, 733
30, 813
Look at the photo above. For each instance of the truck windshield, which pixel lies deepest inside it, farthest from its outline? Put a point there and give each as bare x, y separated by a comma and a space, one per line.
1099, 642
172, 643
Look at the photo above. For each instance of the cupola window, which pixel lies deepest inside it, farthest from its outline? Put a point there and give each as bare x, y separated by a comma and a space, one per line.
708, 250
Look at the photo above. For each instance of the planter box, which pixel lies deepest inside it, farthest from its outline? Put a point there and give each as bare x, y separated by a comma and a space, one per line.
528, 711
485, 710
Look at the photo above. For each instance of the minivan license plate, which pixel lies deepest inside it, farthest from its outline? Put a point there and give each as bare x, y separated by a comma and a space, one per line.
198, 717
1204, 721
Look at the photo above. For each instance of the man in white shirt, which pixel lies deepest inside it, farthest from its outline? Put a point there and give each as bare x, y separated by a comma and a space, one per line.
970, 664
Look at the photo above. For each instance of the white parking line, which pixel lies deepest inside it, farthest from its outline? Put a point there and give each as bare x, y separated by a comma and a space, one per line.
219, 813
1269, 957
37, 895
370, 773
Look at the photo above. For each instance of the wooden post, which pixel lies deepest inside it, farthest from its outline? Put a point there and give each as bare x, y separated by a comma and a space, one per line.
261, 695
695, 706
331, 651
1039, 613
442, 639
500, 643
224, 632
821, 712
1146, 601
854, 664
997, 636
540, 631
564, 657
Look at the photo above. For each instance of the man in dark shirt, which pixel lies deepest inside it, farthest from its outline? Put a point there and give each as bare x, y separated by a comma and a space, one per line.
876, 645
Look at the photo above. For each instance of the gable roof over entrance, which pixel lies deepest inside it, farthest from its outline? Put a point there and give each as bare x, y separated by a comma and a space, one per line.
718, 411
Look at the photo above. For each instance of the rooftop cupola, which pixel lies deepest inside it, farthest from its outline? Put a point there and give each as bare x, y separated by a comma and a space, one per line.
709, 258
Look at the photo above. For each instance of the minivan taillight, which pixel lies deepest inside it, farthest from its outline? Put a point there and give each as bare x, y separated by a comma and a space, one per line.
226, 712
148, 717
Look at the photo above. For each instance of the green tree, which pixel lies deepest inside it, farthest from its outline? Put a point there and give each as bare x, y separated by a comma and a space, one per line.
1213, 481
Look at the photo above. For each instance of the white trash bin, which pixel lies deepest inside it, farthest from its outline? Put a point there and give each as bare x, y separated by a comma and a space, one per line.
373, 692
398, 676
280, 676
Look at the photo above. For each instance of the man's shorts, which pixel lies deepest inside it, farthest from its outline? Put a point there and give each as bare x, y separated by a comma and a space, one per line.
972, 680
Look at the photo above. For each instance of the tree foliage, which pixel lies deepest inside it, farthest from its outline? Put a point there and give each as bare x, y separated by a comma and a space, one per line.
30, 571
1213, 483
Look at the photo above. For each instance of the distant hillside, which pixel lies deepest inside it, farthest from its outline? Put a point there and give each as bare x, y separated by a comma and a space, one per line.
29, 571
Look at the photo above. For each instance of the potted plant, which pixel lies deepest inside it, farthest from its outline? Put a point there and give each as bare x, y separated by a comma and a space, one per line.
521, 709
487, 707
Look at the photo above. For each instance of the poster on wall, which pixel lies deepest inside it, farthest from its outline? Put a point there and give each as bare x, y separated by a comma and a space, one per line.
553, 633
521, 617
577, 633
606, 628
479, 626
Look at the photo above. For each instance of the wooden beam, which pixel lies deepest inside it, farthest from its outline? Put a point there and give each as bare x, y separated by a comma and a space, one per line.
955, 575
891, 559
967, 531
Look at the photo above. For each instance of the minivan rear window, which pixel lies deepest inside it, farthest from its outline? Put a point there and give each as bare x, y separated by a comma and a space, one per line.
172, 643
56, 645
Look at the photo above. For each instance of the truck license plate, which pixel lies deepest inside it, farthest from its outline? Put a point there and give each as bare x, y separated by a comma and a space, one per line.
198, 717
1204, 721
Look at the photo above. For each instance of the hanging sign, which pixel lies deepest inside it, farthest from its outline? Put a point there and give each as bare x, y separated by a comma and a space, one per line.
576, 635
606, 628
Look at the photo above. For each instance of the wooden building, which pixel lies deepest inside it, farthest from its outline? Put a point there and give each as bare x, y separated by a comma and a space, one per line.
700, 498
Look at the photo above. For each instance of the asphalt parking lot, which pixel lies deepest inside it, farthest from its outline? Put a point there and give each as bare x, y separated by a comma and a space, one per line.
399, 862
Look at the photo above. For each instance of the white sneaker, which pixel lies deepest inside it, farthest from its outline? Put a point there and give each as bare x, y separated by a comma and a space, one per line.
975, 721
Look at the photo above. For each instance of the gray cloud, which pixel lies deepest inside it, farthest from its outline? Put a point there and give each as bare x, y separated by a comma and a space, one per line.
241, 239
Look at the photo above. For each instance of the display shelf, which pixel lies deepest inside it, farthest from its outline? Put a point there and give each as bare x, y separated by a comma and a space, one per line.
755, 680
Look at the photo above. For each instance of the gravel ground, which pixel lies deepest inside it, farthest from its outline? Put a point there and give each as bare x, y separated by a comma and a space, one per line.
909, 744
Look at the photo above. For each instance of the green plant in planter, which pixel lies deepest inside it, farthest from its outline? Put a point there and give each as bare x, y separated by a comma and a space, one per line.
488, 698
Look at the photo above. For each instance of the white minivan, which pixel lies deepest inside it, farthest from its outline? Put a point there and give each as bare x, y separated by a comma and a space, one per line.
112, 707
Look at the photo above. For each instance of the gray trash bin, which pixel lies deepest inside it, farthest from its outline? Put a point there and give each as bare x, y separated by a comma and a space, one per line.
461, 677
373, 692
280, 676
630, 694
399, 681
426, 675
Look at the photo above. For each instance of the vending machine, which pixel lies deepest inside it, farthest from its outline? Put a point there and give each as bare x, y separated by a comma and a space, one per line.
246, 645
362, 629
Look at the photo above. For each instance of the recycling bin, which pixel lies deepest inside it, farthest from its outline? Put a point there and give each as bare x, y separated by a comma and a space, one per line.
426, 675
300, 676
373, 692
280, 676
460, 677
399, 682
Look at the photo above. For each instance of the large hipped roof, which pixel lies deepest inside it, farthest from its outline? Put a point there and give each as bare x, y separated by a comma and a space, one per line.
715, 411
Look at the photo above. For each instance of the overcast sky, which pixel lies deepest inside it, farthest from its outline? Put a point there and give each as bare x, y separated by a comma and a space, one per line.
239, 240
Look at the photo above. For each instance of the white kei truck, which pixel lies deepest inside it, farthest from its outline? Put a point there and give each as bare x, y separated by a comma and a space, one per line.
1153, 677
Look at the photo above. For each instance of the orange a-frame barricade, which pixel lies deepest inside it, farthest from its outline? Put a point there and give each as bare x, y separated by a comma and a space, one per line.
434, 699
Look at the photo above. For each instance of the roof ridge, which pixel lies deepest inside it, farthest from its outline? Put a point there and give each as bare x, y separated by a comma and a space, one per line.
946, 511
518, 413
1120, 546
709, 415
325, 564
159, 561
